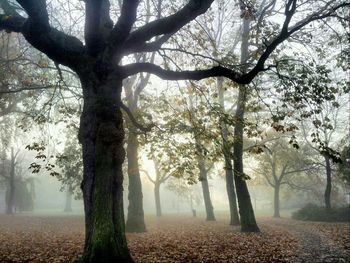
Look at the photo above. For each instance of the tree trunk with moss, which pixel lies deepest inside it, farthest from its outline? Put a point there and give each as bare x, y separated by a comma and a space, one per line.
101, 135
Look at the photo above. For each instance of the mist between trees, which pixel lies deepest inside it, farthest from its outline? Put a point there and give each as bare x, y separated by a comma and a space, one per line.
172, 106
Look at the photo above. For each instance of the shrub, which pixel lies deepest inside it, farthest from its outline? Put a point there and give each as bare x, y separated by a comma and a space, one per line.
312, 212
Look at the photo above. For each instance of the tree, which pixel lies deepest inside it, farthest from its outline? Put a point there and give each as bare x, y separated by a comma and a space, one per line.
68, 203
323, 135
161, 177
187, 139
18, 197
133, 88
198, 132
97, 62
344, 165
10, 193
278, 165
227, 149
185, 191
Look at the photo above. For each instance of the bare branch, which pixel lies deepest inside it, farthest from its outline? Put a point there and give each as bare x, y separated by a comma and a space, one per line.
148, 176
151, 46
9, 91
60, 47
323, 13
134, 121
135, 68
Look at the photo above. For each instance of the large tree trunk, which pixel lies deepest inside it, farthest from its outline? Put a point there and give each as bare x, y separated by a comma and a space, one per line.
157, 199
101, 134
276, 201
11, 190
327, 193
135, 221
248, 222
206, 193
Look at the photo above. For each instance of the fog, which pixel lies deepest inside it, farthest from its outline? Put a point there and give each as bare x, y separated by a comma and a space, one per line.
174, 131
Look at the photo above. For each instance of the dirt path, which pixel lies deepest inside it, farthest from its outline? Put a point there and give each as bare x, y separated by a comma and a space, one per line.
314, 246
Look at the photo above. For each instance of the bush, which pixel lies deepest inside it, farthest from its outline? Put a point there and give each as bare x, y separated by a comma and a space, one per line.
312, 212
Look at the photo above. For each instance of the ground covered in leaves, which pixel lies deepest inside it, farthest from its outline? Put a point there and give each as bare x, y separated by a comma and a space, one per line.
169, 239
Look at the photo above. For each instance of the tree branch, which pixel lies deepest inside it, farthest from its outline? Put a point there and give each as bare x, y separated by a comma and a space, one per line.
37, 12
151, 46
27, 89
11, 23
60, 47
98, 25
134, 68
125, 22
167, 25
147, 128
148, 176
156, 28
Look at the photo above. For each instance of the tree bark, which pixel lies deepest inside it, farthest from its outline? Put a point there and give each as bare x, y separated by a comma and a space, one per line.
11, 191
157, 199
230, 186
101, 135
276, 201
135, 221
206, 193
327, 193
248, 222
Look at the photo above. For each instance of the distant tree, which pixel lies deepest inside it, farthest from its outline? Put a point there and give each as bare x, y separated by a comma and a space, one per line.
186, 192
11, 188
161, 177
133, 87
280, 165
18, 197
68, 202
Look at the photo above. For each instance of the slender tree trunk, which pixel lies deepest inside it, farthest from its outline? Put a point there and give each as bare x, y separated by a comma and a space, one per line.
327, 193
68, 205
248, 222
276, 201
101, 134
135, 221
206, 193
157, 199
12, 186
230, 186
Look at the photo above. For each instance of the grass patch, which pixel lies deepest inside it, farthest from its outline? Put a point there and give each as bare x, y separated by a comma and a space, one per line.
312, 212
